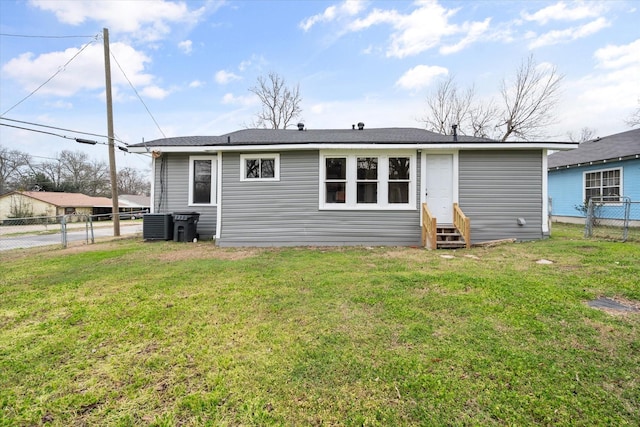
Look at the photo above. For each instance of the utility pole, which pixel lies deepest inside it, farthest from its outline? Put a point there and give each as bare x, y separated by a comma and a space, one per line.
115, 210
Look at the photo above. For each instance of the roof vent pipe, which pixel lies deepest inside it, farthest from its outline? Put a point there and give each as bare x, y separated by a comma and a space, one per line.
353, 127
300, 126
455, 132
360, 126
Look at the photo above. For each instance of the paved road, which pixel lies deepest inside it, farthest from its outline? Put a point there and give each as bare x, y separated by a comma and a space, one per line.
73, 235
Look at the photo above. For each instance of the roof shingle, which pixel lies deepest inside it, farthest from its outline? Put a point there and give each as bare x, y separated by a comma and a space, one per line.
68, 199
618, 146
311, 136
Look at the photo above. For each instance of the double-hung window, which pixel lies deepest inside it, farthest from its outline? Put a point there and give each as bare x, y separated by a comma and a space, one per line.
260, 167
603, 185
368, 180
399, 179
335, 183
202, 180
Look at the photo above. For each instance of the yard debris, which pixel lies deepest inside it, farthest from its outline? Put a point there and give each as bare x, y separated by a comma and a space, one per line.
491, 243
544, 261
447, 256
471, 256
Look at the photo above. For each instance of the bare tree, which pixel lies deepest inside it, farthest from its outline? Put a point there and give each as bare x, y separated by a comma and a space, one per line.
131, 181
70, 171
634, 118
526, 108
482, 118
529, 100
586, 134
99, 180
448, 106
52, 173
14, 165
280, 104
75, 172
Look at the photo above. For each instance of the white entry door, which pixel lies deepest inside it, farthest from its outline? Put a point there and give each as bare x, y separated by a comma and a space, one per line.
438, 187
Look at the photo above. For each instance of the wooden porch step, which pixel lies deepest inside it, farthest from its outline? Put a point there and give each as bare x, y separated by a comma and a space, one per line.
448, 237
451, 245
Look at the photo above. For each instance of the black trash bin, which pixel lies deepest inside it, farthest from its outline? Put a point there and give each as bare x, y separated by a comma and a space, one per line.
185, 225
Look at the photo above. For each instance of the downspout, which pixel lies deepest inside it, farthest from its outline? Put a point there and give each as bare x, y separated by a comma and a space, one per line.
545, 195
152, 193
219, 197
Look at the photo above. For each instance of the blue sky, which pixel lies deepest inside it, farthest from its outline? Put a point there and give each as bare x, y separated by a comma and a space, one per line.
193, 62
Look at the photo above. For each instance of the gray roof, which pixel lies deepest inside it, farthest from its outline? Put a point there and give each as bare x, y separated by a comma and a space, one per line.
311, 136
624, 145
182, 141
134, 200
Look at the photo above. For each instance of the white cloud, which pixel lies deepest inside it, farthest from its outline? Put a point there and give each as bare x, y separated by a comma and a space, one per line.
149, 21
196, 84
186, 46
608, 94
474, 31
320, 108
84, 72
347, 8
59, 104
420, 77
244, 101
561, 11
569, 34
223, 77
424, 28
374, 112
154, 92
255, 61
613, 56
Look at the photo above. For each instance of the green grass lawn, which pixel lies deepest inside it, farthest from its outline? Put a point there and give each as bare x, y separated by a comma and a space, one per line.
131, 333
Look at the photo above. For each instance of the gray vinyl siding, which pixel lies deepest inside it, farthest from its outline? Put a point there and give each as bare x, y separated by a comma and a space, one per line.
171, 192
498, 187
286, 213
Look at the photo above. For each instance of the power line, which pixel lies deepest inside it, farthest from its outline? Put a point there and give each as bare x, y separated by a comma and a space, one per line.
57, 128
51, 78
137, 94
81, 140
43, 37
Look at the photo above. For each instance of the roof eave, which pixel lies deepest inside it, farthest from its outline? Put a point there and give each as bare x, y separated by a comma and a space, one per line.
595, 162
491, 145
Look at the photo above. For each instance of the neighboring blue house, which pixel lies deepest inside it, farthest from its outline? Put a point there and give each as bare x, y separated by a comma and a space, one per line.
606, 168
275, 187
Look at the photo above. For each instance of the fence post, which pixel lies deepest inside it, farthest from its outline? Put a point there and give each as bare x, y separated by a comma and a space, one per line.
627, 213
588, 219
91, 225
63, 230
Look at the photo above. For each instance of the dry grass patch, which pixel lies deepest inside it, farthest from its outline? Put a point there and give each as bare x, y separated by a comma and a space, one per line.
203, 250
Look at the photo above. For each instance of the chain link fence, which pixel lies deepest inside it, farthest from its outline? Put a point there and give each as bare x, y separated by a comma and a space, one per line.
59, 231
613, 220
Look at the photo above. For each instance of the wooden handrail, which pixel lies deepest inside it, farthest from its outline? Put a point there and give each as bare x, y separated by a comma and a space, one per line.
428, 228
462, 223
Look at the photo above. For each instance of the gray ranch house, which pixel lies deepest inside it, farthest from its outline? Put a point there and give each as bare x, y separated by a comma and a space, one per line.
385, 186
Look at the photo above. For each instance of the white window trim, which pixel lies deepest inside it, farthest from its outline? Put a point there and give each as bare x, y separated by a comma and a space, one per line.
276, 166
584, 183
214, 179
383, 180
